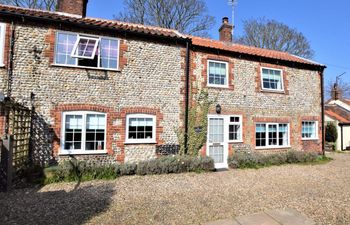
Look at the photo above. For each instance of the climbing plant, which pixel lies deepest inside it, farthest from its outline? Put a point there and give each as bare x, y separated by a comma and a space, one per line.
197, 124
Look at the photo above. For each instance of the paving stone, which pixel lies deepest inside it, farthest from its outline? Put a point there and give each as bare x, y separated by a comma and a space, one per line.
257, 219
223, 222
289, 217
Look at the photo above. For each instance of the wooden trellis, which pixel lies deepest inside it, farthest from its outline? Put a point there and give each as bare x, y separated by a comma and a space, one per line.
15, 154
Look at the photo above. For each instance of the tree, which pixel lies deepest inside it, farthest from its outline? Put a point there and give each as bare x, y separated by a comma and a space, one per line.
186, 16
274, 35
33, 4
342, 87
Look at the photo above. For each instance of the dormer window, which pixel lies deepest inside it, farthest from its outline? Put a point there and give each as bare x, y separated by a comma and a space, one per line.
86, 51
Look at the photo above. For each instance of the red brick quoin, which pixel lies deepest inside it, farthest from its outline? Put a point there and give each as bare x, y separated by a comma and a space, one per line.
112, 127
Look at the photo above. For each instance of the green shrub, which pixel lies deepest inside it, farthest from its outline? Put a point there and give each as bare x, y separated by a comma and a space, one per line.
257, 160
74, 170
175, 164
126, 169
331, 132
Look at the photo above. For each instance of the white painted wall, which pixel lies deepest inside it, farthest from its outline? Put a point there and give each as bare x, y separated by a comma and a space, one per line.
346, 133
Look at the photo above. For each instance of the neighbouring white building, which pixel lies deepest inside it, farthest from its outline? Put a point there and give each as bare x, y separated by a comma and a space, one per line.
338, 110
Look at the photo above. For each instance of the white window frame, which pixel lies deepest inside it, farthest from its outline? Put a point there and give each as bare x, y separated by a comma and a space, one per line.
262, 80
2, 44
240, 123
99, 56
140, 141
227, 74
74, 53
267, 137
83, 138
316, 129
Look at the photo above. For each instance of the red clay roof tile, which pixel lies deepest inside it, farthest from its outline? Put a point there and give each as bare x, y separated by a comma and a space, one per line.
92, 21
204, 42
209, 43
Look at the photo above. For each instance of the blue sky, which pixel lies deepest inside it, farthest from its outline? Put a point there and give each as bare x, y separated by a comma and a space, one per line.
326, 24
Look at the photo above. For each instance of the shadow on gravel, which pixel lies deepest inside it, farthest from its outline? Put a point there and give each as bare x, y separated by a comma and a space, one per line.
56, 207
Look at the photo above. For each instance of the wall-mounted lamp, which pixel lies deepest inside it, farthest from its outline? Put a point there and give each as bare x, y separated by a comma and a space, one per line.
218, 108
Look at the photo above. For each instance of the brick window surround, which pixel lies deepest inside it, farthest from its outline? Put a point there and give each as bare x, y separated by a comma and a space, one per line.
56, 114
213, 57
113, 127
50, 40
258, 84
314, 144
271, 120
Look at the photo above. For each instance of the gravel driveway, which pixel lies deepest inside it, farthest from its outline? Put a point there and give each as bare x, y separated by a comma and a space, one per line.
321, 192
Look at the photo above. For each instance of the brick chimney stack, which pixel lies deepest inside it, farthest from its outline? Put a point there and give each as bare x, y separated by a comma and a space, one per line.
76, 7
226, 30
336, 95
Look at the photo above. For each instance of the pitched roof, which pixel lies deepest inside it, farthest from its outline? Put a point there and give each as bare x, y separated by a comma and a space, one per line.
243, 49
65, 17
336, 112
156, 31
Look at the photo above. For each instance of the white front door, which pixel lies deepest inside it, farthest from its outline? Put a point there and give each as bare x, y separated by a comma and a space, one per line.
217, 146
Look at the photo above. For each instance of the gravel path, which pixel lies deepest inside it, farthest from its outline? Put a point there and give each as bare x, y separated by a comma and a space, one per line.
322, 192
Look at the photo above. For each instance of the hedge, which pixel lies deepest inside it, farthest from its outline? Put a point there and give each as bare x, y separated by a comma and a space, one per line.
257, 160
81, 171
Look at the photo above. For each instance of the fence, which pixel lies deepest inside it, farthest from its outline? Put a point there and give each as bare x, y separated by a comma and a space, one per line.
16, 143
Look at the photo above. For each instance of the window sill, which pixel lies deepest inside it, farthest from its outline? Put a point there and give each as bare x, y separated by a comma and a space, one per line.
272, 147
218, 86
140, 143
85, 67
236, 142
2, 65
309, 139
272, 91
65, 152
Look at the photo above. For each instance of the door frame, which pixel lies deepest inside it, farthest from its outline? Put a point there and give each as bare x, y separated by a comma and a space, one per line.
225, 118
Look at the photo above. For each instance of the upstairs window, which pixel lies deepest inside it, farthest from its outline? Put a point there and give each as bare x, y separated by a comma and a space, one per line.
86, 51
217, 74
140, 128
272, 79
2, 43
85, 47
309, 130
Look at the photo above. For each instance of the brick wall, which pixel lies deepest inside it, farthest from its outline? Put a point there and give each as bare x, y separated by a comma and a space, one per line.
150, 78
299, 100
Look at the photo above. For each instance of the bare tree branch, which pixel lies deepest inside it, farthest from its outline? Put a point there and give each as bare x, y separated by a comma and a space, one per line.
187, 16
33, 4
274, 35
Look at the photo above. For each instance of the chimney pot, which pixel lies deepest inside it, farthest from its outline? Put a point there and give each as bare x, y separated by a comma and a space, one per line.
76, 7
226, 30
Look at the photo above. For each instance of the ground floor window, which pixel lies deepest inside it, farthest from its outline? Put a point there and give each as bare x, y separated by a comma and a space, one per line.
140, 128
235, 129
271, 135
83, 132
308, 130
